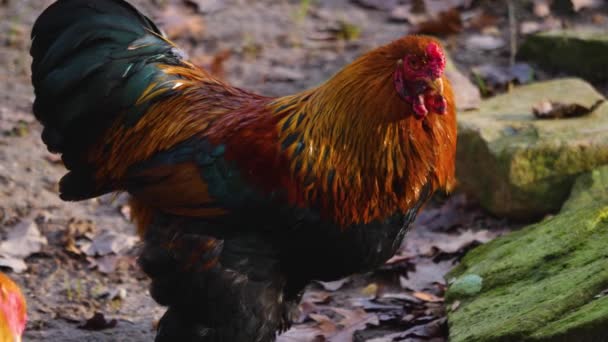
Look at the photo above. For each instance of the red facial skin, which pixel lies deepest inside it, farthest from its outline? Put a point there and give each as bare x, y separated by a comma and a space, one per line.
412, 79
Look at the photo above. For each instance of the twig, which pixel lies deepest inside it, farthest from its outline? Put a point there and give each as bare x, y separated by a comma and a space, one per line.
512, 37
512, 31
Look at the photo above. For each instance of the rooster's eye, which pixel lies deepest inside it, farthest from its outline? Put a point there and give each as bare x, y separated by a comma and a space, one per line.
414, 64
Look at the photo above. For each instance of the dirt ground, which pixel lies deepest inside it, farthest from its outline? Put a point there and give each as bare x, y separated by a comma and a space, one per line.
84, 260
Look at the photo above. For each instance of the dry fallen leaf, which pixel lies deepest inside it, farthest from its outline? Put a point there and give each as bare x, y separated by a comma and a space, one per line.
599, 19
213, 63
541, 8
353, 320
428, 297
482, 20
455, 242
108, 242
333, 285
484, 42
448, 22
406, 13
556, 110
180, 22
427, 274
577, 5
370, 290
22, 241
15, 264
106, 264
324, 324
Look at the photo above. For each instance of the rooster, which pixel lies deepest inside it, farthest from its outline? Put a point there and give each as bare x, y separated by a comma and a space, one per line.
13, 311
240, 199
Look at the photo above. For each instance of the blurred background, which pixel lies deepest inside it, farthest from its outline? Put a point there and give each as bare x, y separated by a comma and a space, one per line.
77, 261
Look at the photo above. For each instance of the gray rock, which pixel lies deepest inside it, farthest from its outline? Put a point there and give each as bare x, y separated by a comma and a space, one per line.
582, 52
546, 282
466, 94
522, 167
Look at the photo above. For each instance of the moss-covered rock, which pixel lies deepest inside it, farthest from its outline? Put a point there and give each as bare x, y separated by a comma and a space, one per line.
546, 282
522, 167
582, 52
589, 189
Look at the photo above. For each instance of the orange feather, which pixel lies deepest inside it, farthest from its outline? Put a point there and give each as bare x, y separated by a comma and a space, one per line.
353, 129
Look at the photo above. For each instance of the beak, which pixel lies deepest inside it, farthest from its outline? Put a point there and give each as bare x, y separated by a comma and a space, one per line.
436, 85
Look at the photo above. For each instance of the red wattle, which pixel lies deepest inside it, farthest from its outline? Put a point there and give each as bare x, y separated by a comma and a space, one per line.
435, 103
419, 106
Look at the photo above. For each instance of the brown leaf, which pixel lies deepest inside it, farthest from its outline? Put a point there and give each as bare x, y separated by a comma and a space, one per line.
180, 22
397, 258
427, 274
452, 243
557, 110
541, 8
353, 320
428, 297
406, 13
70, 246
78, 228
446, 23
483, 20
484, 42
599, 19
106, 264
108, 242
318, 297
213, 63
22, 241
53, 158
324, 324
577, 5
334, 285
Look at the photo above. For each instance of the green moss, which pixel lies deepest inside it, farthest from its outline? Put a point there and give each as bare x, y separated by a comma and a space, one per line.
580, 325
589, 189
582, 53
533, 278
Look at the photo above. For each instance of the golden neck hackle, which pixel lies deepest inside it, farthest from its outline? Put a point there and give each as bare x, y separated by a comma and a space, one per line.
370, 158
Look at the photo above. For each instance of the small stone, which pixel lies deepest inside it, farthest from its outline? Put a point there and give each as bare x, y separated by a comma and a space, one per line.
467, 285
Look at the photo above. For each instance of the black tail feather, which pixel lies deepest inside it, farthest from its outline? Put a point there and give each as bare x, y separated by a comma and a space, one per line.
92, 60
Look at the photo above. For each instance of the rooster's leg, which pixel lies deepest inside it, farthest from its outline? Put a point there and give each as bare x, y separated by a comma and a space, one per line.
216, 289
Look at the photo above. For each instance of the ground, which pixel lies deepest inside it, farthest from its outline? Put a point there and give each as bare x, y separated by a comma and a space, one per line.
84, 261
